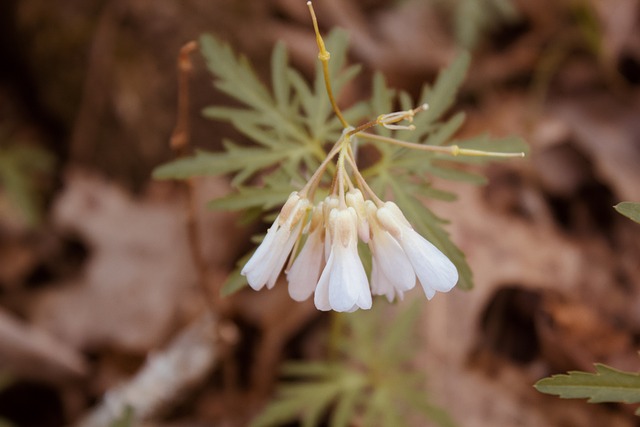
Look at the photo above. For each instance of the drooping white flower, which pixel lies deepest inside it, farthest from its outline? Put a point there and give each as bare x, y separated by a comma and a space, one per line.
391, 272
434, 270
343, 285
304, 273
265, 265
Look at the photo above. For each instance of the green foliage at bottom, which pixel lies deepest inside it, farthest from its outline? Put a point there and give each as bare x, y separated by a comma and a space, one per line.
369, 380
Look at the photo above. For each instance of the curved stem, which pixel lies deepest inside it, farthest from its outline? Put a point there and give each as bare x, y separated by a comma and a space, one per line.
362, 182
315, 178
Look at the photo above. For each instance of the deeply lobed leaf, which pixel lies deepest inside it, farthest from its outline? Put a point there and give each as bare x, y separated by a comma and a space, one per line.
607, 384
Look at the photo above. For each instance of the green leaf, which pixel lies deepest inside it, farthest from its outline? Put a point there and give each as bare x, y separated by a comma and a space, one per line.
444, 132
345, 409
398, 334
279, 412
382, 99
474, 18
427, 191
606, 385
310, 369
453, 174
421, 403
279, 79
235, 75
308, 401
246, 159
249, 197
629, 209
444, 91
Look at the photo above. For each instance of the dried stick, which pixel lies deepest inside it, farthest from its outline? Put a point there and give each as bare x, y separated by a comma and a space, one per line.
196, 351
180, 139
163, 379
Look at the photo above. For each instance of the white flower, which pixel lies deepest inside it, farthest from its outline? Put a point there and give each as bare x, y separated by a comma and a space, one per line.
304, 273
343, 285
434, 270
266, 263
330, 203
355, 199
391, 272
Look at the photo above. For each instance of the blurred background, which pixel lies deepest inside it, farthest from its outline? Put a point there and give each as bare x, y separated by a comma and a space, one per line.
96, 278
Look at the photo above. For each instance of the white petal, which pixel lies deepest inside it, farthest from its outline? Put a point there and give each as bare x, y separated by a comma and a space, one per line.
281, 254
266, 263
348, 285
379, 284
258, 268
343, 285
434, 270
304, 273
321, 296
392, 261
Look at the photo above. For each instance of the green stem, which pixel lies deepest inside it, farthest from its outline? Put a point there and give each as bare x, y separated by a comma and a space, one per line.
453, 150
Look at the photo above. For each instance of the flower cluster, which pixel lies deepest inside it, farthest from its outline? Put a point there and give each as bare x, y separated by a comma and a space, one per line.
329, 264
321, 241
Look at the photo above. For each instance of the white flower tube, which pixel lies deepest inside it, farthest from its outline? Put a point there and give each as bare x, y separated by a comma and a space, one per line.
330, 203
343, 285
434, 270
355, 199
304, 273
265, 265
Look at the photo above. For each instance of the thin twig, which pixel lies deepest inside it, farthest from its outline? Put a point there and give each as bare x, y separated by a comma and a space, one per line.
164, 378
180, 139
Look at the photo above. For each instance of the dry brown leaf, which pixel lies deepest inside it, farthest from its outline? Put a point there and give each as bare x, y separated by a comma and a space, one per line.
140, 268
28, 352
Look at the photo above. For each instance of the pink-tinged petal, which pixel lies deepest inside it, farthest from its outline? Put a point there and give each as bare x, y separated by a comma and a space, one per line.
304, 273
